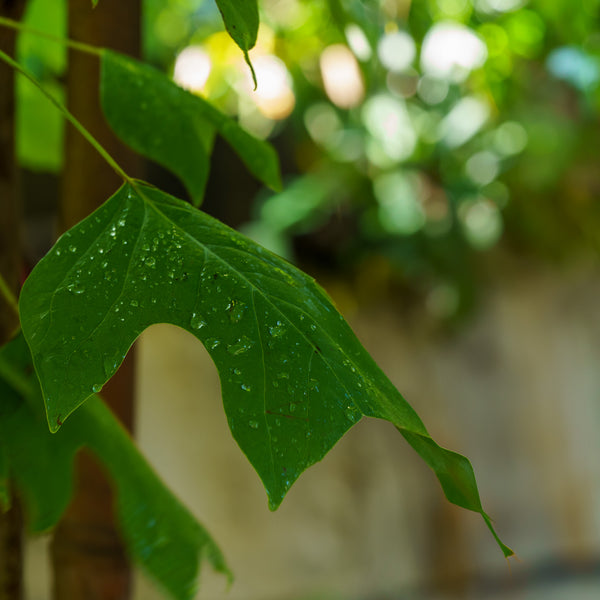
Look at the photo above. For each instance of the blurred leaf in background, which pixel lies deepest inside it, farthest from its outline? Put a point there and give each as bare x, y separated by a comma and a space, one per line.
424, 136
40, 127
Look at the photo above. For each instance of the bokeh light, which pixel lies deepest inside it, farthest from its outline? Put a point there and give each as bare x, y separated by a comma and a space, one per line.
451, 51
341, 75
192, 68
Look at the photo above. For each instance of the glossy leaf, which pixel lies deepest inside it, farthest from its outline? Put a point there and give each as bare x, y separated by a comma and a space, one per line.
241, 22
167, 124
159, 531
293, 375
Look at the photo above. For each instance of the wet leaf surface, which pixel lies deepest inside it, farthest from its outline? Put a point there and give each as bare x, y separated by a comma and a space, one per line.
294, 377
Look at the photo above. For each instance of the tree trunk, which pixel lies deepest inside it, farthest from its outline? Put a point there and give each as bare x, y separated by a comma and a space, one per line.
11, 523
88, 556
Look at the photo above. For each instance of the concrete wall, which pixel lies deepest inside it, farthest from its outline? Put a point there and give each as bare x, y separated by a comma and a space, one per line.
517, 389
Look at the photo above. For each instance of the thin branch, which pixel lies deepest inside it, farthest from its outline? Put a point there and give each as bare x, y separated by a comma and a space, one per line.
63, 109
11, 24
7, 294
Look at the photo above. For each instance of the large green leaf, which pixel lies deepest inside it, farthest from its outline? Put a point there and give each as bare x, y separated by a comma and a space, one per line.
241, 22
293, 375
159, 531
166, 123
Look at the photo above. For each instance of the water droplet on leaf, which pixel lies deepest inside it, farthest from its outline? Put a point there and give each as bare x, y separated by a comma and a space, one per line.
277, 330
197, 322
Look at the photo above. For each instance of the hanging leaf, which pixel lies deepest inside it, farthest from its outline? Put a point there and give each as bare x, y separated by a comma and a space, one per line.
159, 532
293, 375
167, 124
241, 22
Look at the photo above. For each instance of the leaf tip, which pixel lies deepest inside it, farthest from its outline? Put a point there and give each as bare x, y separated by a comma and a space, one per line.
252, 71
508, 552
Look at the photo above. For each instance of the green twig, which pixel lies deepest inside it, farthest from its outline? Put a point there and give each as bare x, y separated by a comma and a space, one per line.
8, 295
11, 24
63, 109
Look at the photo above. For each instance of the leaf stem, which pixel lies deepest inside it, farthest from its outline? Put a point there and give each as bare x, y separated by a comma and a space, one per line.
10, 298
11, 24
63, 109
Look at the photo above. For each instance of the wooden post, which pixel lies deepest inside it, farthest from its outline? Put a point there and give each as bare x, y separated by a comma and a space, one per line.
87, 553
11, 522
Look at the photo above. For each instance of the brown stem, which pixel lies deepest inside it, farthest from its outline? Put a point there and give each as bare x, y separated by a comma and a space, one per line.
88, 557
11, 522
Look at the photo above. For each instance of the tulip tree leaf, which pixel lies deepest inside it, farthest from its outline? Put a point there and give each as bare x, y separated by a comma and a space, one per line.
294, 377
241, 22
175, 128
158, 530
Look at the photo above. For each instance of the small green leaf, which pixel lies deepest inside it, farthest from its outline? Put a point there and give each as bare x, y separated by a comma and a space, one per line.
293, 375
159, 532
167, 124
241, 22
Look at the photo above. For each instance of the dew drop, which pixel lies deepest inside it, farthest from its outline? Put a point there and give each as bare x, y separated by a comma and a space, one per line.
236, 310
72, 248
134, 303
75, 288
292, 407
150, 261
213, 343
197, 322
352, 414
242, 345
96, 388
277, 330
253, 424
246, 387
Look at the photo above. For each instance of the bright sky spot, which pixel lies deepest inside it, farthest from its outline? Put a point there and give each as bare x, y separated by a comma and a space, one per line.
451, 51
358, 42
341, 75
273, 96
396, 51
192, 68
491, 6
465, 119
388, 121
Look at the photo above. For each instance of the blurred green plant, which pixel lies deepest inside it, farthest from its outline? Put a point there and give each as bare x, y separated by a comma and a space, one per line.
451, 126
294, 377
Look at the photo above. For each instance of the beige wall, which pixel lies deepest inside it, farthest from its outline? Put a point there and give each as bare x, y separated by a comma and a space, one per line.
517, 389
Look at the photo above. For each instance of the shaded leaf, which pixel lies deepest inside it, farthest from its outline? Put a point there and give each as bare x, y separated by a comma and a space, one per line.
241, 22
175, 128
294, 377
159, 531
